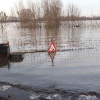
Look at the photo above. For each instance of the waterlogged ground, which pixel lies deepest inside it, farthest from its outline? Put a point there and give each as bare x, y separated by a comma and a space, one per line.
73, 75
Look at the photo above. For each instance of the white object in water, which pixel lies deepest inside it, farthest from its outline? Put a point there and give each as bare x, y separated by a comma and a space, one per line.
33, 96
4, 87
87, 97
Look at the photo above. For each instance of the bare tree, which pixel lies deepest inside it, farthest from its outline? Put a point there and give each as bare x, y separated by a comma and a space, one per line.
36, 11
20, 13
28, 15
3, 19
52, 11
73, 13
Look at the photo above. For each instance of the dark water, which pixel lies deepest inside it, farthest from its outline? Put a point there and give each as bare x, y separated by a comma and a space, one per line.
74, 74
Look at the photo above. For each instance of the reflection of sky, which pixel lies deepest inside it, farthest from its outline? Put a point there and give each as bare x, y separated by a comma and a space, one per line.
87, 6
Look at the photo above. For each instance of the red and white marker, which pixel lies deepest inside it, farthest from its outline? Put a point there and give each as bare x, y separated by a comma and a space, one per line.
52, 48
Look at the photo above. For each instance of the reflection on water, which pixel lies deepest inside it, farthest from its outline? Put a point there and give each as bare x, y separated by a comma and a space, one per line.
6, 62
16, 57
76, 64
52, 56
64, 38
73, 44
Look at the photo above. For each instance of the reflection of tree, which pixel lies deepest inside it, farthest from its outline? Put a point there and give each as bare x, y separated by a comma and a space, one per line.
73, 14
53, 34
73, 37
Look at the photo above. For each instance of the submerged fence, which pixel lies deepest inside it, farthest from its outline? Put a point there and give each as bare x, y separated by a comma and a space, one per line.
34, 52
74, 45
62, 44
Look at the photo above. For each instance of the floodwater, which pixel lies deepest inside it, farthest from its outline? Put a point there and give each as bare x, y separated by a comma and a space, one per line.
74, 73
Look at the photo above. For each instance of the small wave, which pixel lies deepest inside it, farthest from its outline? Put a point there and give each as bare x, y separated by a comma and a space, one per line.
34, 96
4, 87
87, 97
52, 93
45, 97
58, 97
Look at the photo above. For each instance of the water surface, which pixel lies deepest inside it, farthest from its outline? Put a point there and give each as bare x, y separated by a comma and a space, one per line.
75, 70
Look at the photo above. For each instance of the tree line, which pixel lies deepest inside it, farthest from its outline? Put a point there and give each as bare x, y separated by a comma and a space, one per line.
49, 11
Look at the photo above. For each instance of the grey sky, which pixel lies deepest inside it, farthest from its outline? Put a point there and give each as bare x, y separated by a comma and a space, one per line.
87, 7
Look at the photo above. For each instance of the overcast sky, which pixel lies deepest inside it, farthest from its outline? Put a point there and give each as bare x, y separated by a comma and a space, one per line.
87, 7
